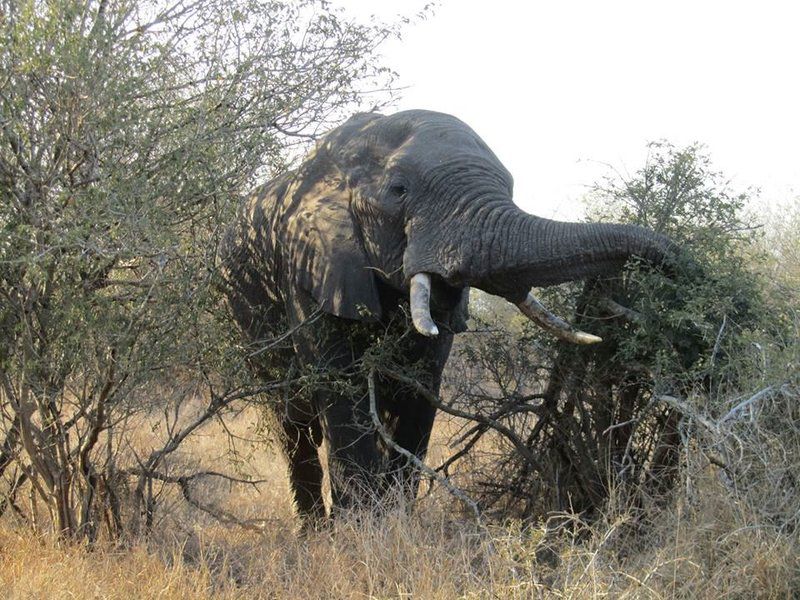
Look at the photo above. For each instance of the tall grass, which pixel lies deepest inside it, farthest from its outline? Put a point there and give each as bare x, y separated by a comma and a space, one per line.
705, 541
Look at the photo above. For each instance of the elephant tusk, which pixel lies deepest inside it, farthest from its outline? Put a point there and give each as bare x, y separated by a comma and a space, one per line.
617, 310
537, 313
420, 297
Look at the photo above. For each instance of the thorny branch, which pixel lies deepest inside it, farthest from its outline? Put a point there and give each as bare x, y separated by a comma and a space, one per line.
486, 421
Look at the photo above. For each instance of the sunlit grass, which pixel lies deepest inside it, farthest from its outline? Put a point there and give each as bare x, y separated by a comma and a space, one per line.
710, 547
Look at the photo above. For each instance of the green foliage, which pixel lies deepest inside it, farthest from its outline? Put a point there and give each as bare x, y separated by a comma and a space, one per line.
676, 193
779, 248
694, 319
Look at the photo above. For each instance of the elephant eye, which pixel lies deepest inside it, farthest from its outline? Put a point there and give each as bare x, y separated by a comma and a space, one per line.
398, 190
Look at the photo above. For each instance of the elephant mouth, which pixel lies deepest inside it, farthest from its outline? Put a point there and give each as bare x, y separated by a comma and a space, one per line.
420, 300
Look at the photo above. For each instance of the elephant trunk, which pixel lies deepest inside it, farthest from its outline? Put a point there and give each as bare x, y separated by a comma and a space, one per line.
513, 252
539, 252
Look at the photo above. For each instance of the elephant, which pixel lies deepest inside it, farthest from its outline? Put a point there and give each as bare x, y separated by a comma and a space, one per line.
386, 212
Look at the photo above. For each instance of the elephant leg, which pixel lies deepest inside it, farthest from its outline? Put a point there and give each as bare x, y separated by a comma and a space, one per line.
354, 461
305, 472
355, 464
411, 414
414, 422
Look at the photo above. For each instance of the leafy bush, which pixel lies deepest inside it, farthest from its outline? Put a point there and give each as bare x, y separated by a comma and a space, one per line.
574, 426
129, 130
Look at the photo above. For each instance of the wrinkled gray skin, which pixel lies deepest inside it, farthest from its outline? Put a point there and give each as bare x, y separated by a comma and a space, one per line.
381, 199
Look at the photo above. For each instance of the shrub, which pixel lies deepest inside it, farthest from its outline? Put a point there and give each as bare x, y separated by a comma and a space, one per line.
128, 132
578, 425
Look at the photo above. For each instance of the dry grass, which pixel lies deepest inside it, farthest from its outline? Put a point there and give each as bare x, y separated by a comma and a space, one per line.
709, 548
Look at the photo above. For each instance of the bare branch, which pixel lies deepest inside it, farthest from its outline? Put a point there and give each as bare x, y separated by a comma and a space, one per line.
618, 310
184, 482
732, 413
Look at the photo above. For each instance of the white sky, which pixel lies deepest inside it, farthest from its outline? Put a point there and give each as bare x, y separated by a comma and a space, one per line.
557, 87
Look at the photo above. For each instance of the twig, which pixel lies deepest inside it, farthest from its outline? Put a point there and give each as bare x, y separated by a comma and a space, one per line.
296, 134
611, 428
518, 444
9, 499
478, 432
685, 409
9, 448
618, 310
711, 426
275, 341
190, 477
719, 339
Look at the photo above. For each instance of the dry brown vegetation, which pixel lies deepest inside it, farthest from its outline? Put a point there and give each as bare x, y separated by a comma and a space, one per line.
704, 543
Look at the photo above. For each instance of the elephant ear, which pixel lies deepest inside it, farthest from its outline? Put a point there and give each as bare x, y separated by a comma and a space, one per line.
325, 254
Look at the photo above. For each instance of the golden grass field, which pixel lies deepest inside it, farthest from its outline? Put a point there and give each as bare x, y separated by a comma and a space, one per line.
706, 548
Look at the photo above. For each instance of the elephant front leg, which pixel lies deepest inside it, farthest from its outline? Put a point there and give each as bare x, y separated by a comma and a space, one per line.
410, 413
414, 418
355, 463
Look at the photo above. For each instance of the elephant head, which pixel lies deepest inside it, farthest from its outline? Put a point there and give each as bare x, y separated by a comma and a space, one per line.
418, 203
